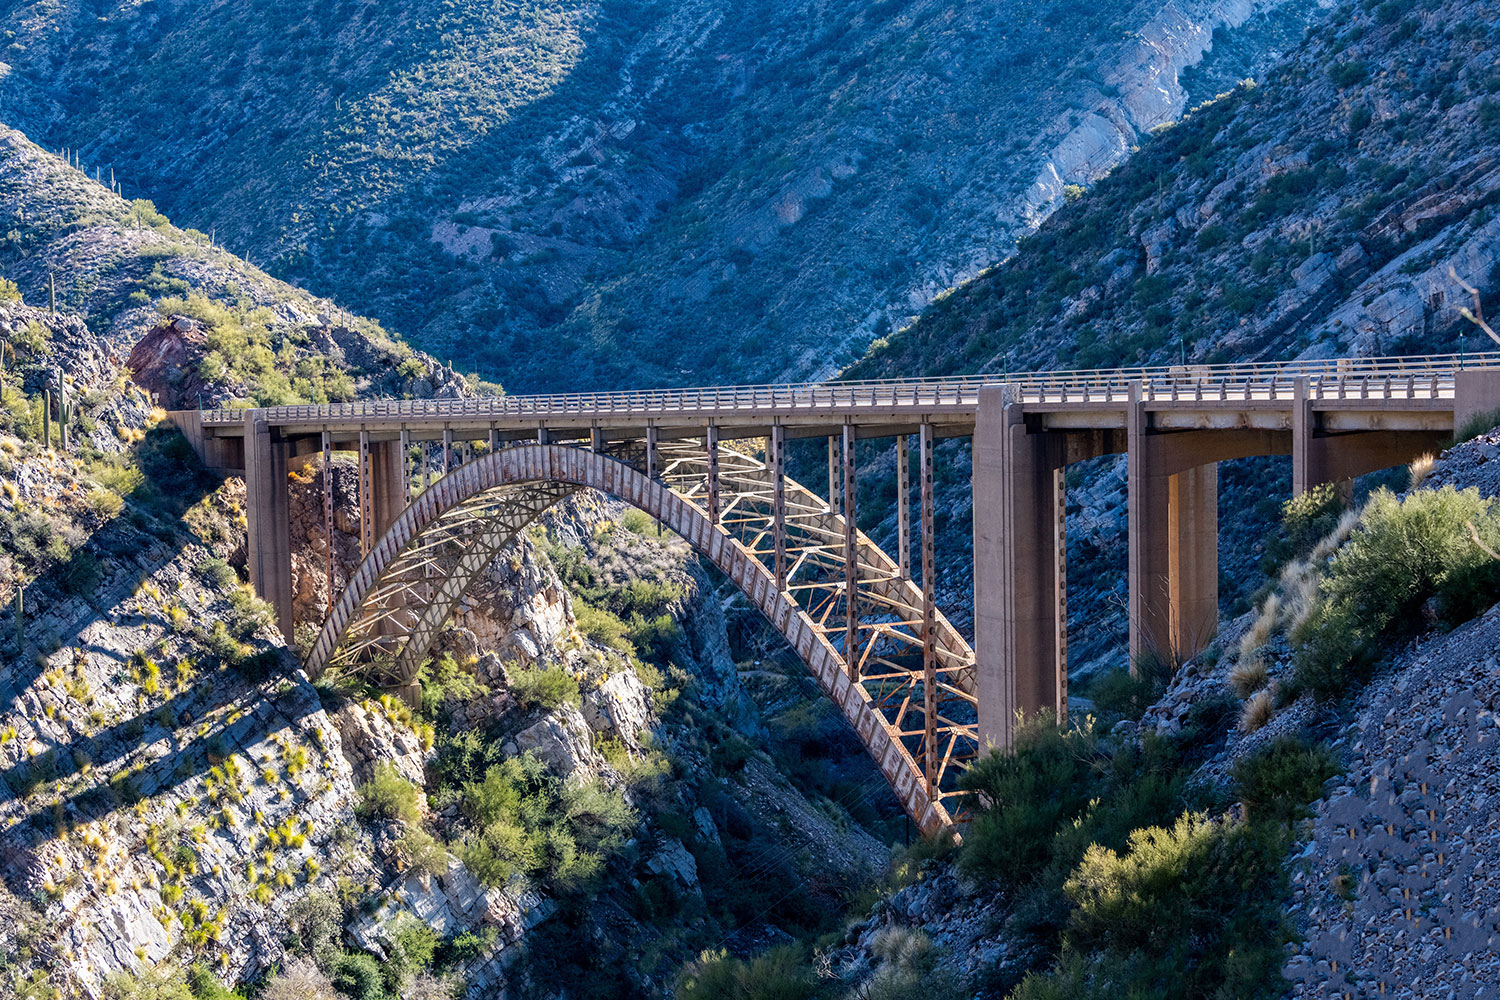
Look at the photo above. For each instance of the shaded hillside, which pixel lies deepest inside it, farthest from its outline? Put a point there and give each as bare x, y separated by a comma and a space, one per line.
1313, 215
573, 194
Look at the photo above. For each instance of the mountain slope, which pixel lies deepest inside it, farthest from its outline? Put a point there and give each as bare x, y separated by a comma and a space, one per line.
661, 192
1316, 214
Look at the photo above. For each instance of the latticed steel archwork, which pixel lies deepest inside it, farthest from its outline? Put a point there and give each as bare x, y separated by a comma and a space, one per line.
902, 675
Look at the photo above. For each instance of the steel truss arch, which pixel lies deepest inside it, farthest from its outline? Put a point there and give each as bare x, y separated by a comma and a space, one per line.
920, 728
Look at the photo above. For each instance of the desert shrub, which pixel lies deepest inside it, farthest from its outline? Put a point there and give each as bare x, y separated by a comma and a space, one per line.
207, 986
1122, 694
603, 626
780, 973
525, 820
164, 983
316, 925
444, 679
1404, 554
1305, 521
218, 573
387, 795
464, 757
299, 980
413, 945
638, 521
1025, 796
547, 688
358, 977
422, 851
1279, 783
1194, 904
9, 292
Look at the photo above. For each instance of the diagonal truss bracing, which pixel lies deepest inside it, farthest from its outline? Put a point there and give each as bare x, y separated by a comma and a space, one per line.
908, 688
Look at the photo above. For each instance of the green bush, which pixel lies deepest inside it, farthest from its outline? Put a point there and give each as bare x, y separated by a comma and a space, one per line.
153, 984
527, 821
1305, 521
1279, 783
1404, 554
638, 521
207, 986
388, 795
218, 573
9, 292
358, 977
544, 688
414, 944
1197, 901
778, 974
1025, 796
1120, 694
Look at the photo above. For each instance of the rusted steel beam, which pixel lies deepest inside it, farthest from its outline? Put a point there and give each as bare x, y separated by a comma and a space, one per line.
405, 447
711, 446
776, 449
328, 508
903, 508
851, 559
929, 611
833, 475
366, 496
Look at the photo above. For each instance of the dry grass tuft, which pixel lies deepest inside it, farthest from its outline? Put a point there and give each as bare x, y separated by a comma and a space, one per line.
1249, 676
1419, 471
1257, 712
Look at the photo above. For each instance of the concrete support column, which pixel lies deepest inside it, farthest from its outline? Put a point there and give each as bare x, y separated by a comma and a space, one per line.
596, 440
388, 496
1174, 545
447, 450
1018, 576
653, 456
1475, 392
268, 511
366, 496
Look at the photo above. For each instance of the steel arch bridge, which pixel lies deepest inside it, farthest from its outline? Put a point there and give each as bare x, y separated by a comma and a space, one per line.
913, 710
922, 700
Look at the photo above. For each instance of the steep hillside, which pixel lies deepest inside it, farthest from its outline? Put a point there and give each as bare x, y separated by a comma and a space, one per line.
660, 192
236, 332
1317, 213
175, 794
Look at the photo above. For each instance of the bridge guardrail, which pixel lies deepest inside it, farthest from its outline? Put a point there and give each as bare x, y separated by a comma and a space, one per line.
1424, 377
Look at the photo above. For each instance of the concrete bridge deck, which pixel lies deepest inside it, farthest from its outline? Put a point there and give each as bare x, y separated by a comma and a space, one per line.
463, 475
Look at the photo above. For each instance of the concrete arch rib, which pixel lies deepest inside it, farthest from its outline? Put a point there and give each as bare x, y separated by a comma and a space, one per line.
391, 610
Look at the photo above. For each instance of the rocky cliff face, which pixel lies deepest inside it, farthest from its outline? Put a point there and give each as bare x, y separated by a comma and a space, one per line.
713, 192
